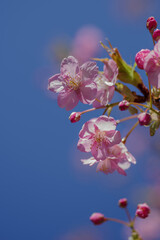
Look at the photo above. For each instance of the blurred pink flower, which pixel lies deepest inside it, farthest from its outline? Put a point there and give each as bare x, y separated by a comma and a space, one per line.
85, 44
74, 83
106, 83
118, 159
149, 228
152, 65
97, 135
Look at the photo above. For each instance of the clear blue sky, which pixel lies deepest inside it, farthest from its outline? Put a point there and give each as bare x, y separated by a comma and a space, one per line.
46, 193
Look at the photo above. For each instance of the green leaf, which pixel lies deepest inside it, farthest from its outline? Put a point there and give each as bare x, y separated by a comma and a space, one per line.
153, 127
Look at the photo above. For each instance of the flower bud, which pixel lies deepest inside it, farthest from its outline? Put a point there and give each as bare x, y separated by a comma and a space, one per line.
124, 105
75, 117
144, 118
156, 34
140, 57
151, 23
97, 218
143, 210
123, 202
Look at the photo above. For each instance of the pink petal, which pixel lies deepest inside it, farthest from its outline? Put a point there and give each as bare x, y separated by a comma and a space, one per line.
55, 83
104, 97
124, 165
89, 70
121, 171
99, 152
87, 92
157, 48
84, 145
111, 70
69, 66
154, 77
91, 161
67, 99
105, 166
88, 129
113, 137
150, 62
105, 123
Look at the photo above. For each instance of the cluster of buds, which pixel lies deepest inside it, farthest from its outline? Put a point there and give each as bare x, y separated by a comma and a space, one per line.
142, 211
152, 25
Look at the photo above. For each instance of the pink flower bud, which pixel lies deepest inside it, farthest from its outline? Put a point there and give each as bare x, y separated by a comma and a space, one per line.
143, 210
156, 34
151, 23
75, 117
98, 218
123, 203
140, 57
124, 105
144, 118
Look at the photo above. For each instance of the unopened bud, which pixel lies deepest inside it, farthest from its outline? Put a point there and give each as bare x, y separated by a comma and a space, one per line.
124, 105
123, 202
156, 34
97, 218
151, 24
143, 210
144, 118
75, 117
140, 57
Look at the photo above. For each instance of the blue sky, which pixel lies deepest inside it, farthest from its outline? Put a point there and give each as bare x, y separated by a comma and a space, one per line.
45, 191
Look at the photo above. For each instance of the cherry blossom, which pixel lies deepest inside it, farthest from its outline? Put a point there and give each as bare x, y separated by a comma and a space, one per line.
152, 65
74, 83
97, 135
106, 83
118, 159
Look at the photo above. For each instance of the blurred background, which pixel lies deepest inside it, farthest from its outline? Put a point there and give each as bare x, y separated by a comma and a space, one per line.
46, 192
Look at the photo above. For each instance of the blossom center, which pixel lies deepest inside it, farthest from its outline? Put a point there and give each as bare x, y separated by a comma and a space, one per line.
100, 137
73, 82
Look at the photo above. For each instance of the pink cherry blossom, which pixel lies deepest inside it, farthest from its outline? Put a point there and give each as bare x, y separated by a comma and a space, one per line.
106, 83
74, 83
149, 228
152, 65
97, 135
118, 159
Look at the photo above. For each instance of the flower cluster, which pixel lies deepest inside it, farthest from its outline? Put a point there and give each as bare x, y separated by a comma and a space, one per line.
89, 85
100, 136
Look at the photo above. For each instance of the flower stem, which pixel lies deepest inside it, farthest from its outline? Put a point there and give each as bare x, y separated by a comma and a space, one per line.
110, 105
127, 118
118, 221
128, 214
145, 106
130, 131
92, 109
150, 94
